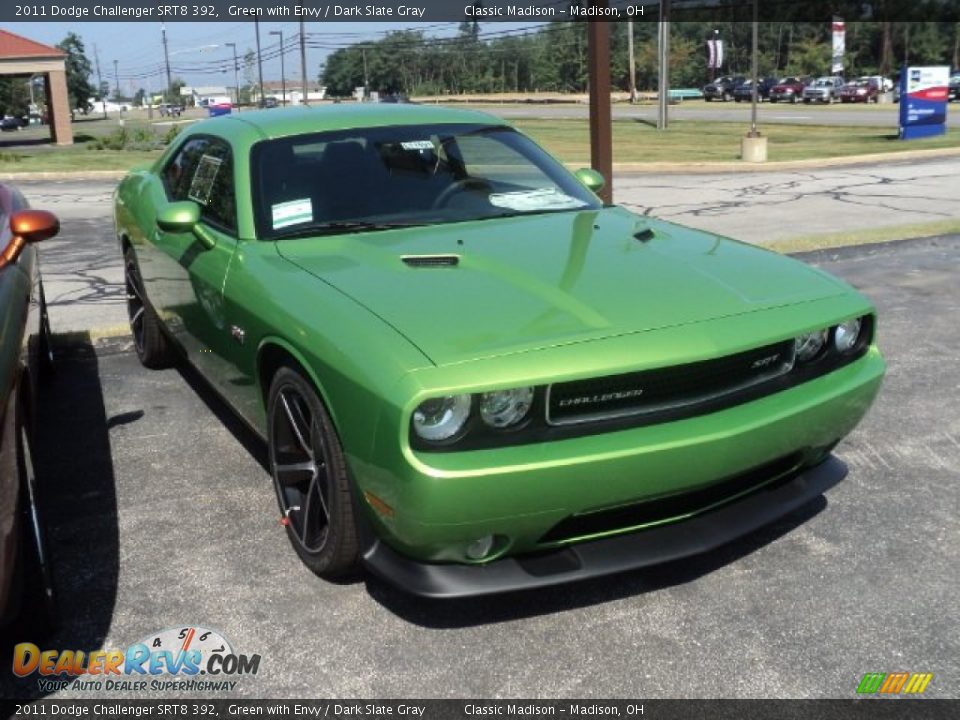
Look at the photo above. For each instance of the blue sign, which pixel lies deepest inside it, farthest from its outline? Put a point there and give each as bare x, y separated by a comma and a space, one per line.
924, 92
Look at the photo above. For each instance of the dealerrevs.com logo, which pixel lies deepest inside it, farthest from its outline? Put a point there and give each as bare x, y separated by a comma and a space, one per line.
190, 659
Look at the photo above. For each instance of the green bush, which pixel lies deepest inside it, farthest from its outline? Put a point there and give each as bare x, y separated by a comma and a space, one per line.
136, 138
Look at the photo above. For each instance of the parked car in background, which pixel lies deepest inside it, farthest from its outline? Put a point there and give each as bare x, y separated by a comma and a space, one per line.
269, 102
954, 88
26, 586
789, 89
11, 123
865, 90
722, 88
744, 91
471, 375
824, 89
170, 109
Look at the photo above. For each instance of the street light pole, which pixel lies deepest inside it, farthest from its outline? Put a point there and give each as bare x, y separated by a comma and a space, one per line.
116, 79
256, 27
236, 71
283, 74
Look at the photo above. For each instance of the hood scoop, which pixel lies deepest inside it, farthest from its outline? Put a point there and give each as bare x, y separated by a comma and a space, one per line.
431, 261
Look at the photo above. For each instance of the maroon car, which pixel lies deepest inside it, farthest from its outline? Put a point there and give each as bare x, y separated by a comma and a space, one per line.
863, 90
26, 589
790, 89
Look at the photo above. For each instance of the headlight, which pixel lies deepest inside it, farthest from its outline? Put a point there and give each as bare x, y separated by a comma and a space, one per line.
846, 335
442, 418
809, 345
504, 408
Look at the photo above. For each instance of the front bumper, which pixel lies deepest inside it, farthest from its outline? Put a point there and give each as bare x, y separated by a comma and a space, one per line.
609, 555
535, 498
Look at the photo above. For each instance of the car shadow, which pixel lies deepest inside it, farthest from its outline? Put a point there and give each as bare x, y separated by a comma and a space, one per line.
469, 612
251, 442
74, 467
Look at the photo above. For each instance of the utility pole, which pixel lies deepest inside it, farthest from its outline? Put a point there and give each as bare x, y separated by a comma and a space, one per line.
663, 77
632, 62
166, 60
366, 78
236, 73
753, 76
303, 63
256, 27
283, 74
601, 141
116, 79
103, 103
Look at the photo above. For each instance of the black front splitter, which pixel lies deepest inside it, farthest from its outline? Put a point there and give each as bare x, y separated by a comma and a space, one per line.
607, 556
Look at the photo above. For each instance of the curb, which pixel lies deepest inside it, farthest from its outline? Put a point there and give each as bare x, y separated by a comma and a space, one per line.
738, 166
52, 175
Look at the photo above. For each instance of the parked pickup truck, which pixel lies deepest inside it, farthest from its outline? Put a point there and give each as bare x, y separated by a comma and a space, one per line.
824, 89
790, 89
722, 88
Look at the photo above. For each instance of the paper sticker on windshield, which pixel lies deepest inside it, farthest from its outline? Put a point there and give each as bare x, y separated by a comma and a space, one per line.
529, 200
417, 145
206, 174
292, 212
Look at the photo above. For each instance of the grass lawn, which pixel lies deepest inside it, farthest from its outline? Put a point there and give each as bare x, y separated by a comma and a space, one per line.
29, 150
704, 141
635, 141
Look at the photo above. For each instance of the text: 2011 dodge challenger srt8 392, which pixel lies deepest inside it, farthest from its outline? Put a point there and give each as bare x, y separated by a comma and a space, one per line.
472, 376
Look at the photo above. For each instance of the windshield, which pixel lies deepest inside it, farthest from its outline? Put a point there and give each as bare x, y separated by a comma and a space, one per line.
382, 177
824, 82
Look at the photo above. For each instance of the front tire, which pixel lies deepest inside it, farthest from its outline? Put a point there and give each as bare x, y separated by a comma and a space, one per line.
153, 347
310, 477
37, 612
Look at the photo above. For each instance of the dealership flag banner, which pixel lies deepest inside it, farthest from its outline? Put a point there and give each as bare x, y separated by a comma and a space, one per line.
839, 44
714, 54
924, 92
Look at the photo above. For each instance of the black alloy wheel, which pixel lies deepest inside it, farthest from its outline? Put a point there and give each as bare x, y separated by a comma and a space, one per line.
310, 477
152, 346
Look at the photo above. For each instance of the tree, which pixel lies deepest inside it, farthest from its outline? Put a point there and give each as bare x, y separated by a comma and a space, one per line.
78, 72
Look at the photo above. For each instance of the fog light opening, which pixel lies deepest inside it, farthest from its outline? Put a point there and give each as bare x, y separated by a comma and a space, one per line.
486, 547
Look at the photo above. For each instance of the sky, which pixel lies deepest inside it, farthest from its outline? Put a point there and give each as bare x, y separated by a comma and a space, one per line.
137, 47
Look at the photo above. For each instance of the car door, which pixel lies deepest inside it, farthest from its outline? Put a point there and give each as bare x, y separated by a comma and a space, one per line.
189, 277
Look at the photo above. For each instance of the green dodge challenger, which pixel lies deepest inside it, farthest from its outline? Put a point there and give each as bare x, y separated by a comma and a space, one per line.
473, 376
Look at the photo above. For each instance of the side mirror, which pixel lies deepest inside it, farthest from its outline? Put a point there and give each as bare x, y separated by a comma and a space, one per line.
178, 216
184, 217
591, 178
28, 226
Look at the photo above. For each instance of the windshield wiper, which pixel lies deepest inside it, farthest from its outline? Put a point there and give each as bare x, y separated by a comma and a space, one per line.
341, 226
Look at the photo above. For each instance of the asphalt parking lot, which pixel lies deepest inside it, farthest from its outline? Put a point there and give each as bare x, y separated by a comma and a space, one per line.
164, 517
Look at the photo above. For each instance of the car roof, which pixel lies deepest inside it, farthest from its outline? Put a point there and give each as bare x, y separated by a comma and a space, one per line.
301, 120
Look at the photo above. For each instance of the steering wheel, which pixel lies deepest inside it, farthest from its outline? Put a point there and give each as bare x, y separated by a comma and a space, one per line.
459, 186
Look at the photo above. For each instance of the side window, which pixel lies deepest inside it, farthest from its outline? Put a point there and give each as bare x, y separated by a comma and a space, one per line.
203, 172
178, 174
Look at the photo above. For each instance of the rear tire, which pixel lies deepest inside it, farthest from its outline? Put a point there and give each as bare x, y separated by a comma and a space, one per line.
310, 477
153, 347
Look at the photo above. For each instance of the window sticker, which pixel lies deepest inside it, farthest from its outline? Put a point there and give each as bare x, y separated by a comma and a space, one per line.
540, 199
203, 179
417, 145
292, 212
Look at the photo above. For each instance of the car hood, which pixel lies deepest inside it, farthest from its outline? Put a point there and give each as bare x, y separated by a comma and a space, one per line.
545, 280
